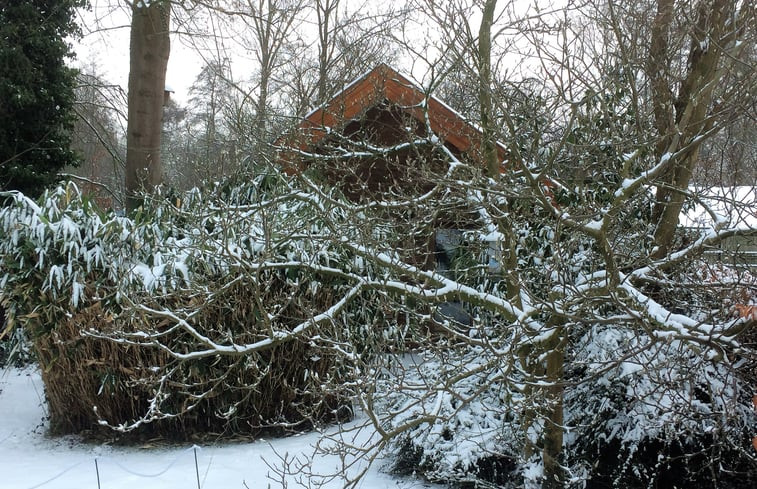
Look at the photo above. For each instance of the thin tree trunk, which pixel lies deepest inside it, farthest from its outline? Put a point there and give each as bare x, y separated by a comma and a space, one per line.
324, 11
488, 144
551, 368
261, 116
149, 50
553, 417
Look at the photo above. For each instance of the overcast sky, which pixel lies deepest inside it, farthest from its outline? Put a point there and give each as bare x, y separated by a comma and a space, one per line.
106, 45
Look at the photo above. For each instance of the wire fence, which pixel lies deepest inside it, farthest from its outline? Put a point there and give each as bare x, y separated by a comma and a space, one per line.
98, 469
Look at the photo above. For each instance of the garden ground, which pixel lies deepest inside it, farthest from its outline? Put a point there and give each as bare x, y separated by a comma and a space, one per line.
29, 459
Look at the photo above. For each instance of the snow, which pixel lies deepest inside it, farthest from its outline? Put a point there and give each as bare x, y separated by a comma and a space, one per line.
595, 225
468, 422
735, 207
29, 459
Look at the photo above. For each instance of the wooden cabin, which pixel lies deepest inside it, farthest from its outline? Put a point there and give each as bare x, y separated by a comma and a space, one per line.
383, 137
374, 137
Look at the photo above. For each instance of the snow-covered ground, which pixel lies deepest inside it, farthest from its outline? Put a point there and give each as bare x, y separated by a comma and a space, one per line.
29, 459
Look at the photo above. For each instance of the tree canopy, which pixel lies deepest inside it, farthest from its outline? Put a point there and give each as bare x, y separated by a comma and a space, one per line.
36, 92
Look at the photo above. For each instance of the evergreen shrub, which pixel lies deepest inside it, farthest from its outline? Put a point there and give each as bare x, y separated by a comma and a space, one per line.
88, 286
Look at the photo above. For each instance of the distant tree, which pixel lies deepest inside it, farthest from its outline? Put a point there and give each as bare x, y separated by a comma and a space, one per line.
269, 24
195, 143
36, 92
351, 41
246, 106
96, 137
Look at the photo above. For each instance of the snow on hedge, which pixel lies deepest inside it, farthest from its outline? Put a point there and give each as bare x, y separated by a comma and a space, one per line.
68, 247
461, 411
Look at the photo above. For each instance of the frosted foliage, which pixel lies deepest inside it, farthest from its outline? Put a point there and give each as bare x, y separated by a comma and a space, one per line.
702, 389
64, 259
67, 241
74, 248
643, 369
474, 419
659, 392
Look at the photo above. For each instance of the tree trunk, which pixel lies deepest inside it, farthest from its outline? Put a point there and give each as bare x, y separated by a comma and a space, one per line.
682, 123
264, 26
553, 417
324, 11
488, 143
543, 360
149, 50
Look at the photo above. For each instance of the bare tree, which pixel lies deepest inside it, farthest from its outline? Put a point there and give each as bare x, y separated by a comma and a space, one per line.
272, 23
99, 110
683, 115
352, 40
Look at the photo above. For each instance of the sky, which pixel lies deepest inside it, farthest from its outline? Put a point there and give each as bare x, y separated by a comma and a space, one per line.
105, 44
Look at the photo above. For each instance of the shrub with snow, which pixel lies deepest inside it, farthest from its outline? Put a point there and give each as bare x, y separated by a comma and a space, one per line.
638, 413
469, 428
116, 306
663, 416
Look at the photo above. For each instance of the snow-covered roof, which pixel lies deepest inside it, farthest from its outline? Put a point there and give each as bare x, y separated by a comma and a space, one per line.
731, 207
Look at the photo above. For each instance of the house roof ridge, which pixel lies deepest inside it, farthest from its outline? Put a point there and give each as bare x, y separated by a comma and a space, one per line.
344, 89
384, 82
